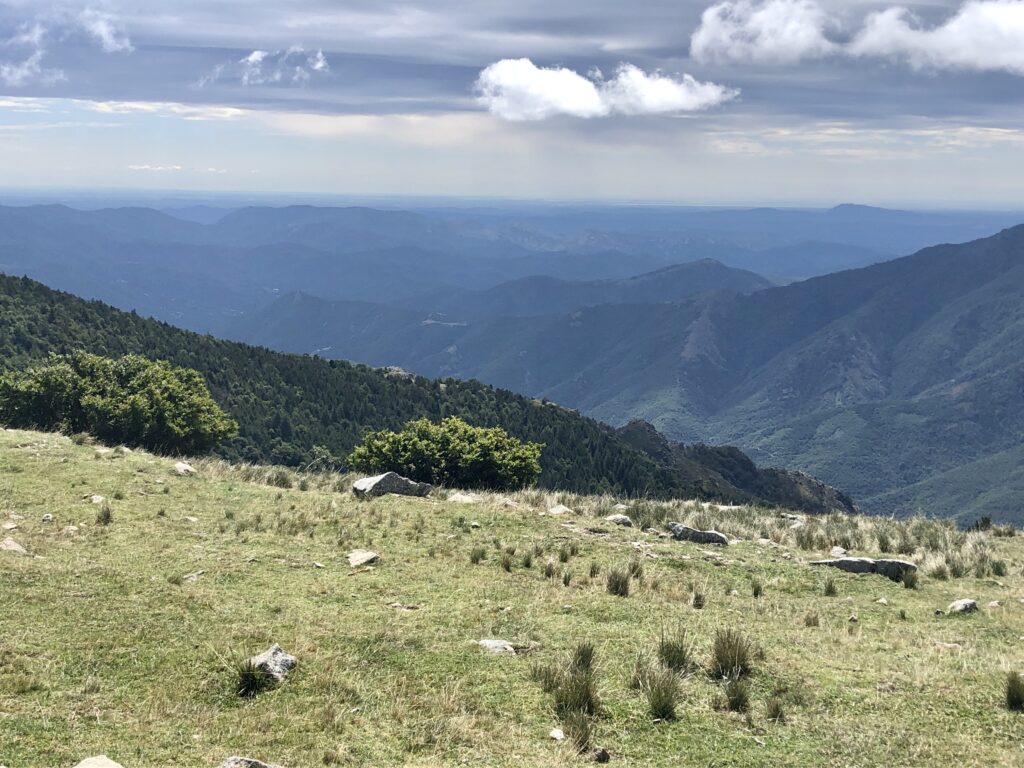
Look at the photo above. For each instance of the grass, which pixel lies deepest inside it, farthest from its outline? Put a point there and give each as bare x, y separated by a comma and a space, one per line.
732, 655
674, 650
139, 668
251, 680
1014, 692
618, 583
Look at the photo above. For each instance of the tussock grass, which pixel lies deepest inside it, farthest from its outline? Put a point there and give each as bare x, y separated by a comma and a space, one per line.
732, 654
618, 583
1014, 692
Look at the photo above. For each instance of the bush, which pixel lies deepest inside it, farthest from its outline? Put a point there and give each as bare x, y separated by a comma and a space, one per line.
105, 516
618, 583
132, 400
731, 655
476, 555
251, 680
452, 454
1014, 692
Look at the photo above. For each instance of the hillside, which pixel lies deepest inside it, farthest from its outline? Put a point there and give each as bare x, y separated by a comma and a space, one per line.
169, 583
295, 409
884, 381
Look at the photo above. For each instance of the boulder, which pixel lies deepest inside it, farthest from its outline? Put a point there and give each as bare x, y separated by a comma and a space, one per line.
358, 557
964, 605
891, 569
100, 761
274, 662
183, 468
246, 762
389, 482
620, 519
682, 532
557, 734
10, 545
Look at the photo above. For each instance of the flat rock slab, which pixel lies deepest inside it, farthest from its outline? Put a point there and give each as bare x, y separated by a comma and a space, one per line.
963, 605
389, 482
100, 761
274, 662
891, 569
246, 762
682, 532
497, 646
10, 545
620, 519
358, 557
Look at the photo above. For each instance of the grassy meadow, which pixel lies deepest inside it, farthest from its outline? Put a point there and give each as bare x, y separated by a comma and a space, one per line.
123, 627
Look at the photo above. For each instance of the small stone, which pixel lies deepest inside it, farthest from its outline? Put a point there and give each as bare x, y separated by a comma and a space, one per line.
853, 618
995, 604
403, 607
497, 646
246, 762
317, 565
97, 499
100, 761
47, 518
70, 530
557, 734
837, 552
474, 524
358, 557
183, 468
620, 519
191, 519
9, 526
274, 662
193, 577
882, 601
10, 545
560, 509
964, 605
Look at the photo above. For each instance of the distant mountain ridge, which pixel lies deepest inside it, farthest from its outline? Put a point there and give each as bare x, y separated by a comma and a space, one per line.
296, 410
884, 381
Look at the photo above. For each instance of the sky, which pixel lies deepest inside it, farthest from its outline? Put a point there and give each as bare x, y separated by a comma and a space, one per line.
736, 102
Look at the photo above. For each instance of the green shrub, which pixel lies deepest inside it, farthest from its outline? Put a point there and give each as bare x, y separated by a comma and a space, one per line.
251, 680
662, 691
618, 583
757, 588
528, 560
737, 695
674, 650
732, 654
105, 516
452, 454
477, 554
131, 400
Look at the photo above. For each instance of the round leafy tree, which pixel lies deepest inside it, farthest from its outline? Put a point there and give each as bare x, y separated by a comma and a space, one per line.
132, 400
452, 453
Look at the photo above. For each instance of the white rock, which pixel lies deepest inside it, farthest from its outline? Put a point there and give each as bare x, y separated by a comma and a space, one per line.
389, 482
557, 734
995, 604
682, 532
183, 468
496, 646
97, 499
560, 509
100, 761
274, 662
964, 605
10, 545
47, 518
837, 552
358, 557
620, 519
882, 601
463, 498
9, 526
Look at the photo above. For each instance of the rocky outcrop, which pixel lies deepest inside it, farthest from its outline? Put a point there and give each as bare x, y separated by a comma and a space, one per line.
891, 569
389, 482
682, 532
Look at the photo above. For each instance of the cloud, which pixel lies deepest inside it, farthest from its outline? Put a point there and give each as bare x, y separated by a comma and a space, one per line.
294, 66
771, 32
155, 168
982, 35
519, 90
106, 29
33, 40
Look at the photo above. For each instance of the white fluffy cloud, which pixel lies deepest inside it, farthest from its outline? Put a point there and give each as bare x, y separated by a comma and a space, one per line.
106, 29
982, 35
772, 32
519, 90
